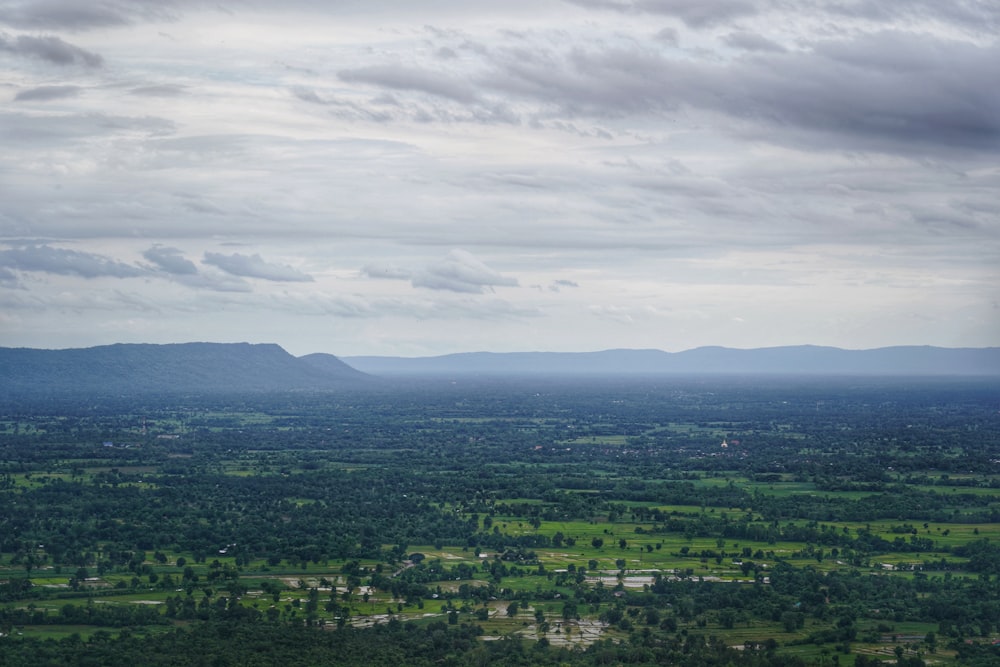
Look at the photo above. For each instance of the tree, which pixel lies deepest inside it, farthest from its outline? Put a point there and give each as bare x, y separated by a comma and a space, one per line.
792, 620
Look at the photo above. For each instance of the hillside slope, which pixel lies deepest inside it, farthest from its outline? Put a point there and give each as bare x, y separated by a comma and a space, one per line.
177, 368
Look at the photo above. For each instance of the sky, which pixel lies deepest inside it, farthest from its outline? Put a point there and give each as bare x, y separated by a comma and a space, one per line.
406, 178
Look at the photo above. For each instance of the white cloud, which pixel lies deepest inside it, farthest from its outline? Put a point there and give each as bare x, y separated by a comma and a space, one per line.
462, 272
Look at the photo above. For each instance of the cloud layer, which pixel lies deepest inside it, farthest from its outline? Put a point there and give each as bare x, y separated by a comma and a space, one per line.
49, 48
253, 266
582, 174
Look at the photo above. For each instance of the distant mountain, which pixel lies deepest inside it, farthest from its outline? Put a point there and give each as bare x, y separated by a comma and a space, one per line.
794, 360
180, 368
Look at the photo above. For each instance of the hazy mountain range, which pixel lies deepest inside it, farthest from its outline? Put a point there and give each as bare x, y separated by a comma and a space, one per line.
183, 368
219, 367
802, 360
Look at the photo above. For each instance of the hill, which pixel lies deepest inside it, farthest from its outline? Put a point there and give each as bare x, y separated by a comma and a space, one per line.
792, 360
179, 368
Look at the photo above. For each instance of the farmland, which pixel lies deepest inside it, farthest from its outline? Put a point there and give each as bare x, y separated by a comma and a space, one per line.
731, 520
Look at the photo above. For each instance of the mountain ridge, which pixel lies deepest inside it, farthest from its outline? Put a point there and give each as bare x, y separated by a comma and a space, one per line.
201, 368
176, 367
779, 360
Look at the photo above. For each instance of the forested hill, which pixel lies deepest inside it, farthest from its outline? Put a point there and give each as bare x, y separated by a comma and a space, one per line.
181, 368
804, 360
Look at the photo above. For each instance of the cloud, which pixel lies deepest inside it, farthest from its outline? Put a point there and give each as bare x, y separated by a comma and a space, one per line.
751, 41
401, 77
45, 93
219, 282
667, 36
625, 314
694, 13
170, 263
170, 260
60, 261
428, 309
681, 154
559, 284
8, 278
891, 91
462, 272
160, 90
973, 15
698, 13
51, 49
77, 15
307, 95
254, 266
35, 130
385, 271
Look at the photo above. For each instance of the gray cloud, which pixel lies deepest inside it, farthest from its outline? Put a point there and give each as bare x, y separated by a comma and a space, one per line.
385, 272
462, 272
61, 261
33, 131
890, 91
385, 109
667, 36
51, 49
45, 93
8, 278
402, 77
828, 163
170, 260
160, 90
171, 264
897, 92
215, 283
694, 13
751, 41
698, 13
307, 95
77, 15
254, 266
976, 15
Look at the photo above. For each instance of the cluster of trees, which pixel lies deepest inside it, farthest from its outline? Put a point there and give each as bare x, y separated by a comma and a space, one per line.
258, 644
300, 480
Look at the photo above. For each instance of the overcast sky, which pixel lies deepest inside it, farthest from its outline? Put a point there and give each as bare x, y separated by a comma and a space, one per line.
416, 178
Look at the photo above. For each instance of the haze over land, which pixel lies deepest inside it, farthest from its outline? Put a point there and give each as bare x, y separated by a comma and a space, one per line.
414, 179
213, 368
797, 360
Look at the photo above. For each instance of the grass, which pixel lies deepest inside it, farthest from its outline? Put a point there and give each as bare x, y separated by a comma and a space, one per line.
645, 550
